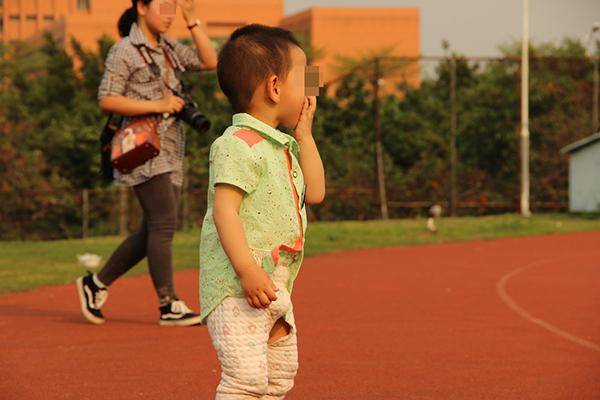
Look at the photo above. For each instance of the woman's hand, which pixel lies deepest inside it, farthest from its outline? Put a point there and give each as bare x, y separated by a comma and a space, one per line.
258, 287
188, 10
303, 129
169, 105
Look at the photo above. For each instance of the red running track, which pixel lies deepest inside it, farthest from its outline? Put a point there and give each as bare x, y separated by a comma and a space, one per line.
502, 319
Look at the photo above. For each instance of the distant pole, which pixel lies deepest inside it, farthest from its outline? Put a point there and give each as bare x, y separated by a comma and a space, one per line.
592, 47
525, 210
595, 124
453, 152
378, 145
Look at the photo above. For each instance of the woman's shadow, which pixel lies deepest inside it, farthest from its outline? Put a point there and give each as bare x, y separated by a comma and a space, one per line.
54, 315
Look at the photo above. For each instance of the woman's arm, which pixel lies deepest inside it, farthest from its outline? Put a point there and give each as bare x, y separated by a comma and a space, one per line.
310, 159
206, 51
130, 107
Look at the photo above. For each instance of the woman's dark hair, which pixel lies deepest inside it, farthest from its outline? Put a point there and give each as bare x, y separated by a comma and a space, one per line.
129, 17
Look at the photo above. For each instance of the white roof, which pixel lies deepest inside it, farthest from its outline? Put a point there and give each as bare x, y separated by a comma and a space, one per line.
580, 144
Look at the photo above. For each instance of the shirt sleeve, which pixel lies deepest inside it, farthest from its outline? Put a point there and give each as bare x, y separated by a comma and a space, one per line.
116, 73
188, 56
233, 162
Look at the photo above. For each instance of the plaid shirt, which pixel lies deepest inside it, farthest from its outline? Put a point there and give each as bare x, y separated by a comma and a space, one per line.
128, 74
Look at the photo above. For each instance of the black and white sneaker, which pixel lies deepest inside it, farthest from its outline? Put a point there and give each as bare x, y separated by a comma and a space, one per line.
91, 298
176, 313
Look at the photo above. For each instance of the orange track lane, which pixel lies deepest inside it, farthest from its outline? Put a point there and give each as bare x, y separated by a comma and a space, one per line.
502, 319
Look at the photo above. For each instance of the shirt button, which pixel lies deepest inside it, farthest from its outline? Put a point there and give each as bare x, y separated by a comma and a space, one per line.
295, 174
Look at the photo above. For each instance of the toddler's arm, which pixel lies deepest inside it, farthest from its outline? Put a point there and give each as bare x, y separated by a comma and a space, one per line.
309, 159
257, 285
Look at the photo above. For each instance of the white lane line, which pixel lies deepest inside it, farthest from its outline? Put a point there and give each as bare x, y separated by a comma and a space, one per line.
501, 289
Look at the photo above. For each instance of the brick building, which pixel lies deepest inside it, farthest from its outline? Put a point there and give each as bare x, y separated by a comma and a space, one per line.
332, 31
358, 32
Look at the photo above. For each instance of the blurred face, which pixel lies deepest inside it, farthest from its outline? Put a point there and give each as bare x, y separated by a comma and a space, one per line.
158, 15
293, 90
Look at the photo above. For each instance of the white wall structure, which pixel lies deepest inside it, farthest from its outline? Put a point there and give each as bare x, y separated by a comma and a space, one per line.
584, 174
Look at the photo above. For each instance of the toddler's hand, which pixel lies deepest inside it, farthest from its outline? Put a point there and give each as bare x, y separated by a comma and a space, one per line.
259, 288
303, 128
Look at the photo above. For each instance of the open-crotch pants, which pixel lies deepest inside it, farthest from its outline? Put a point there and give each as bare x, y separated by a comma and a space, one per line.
251, 367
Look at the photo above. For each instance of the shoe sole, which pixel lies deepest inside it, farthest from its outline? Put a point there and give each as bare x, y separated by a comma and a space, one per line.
181, 322
83, 304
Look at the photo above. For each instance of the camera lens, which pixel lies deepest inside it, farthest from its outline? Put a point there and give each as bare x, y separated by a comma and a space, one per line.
199, 122
192, 116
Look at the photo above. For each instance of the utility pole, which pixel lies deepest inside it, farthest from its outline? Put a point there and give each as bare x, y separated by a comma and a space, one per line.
595, 125
524, 137
595, 55
453, 152
378, 146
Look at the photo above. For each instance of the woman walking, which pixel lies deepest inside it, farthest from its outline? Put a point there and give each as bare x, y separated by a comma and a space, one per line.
141, 78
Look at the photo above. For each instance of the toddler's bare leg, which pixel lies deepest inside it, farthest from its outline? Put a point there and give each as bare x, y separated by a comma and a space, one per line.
282, 356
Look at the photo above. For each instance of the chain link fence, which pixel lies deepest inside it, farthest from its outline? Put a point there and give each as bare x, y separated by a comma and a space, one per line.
437, 130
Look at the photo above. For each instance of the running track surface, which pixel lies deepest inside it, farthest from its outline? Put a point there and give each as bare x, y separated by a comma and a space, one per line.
501, 319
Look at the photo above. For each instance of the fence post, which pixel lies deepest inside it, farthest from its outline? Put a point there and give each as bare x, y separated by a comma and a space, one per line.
85, 212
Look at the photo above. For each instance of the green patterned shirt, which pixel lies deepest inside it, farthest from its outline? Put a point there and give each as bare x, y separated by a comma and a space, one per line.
263, 162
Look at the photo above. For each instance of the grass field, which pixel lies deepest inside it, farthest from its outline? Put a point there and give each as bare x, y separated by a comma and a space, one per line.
28, 265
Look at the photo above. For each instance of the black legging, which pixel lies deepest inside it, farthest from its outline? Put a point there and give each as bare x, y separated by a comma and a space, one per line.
159, 199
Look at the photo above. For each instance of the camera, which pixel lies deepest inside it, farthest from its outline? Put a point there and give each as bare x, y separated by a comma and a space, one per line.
191, 115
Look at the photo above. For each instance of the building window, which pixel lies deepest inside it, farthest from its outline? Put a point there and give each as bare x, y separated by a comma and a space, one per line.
48, 17
1, 26
14, 17
32, 17
83, 5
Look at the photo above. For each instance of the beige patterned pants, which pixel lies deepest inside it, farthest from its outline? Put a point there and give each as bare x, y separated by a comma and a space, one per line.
251, 367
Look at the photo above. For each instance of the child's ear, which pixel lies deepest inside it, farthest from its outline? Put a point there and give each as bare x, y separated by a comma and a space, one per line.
274, 89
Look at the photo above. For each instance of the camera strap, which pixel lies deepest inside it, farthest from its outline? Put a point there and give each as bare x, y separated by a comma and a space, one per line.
115, 121
171, 62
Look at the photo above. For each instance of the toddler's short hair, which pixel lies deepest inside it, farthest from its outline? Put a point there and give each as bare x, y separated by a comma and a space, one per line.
251, 54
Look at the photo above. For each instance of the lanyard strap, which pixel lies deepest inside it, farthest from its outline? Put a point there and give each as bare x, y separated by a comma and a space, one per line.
167, 77
155, 68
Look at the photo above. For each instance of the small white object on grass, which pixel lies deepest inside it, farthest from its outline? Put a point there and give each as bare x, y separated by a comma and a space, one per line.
435, 211
431, 225
89, 260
